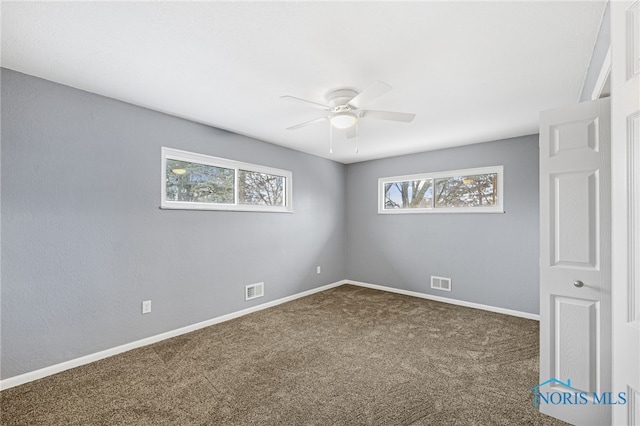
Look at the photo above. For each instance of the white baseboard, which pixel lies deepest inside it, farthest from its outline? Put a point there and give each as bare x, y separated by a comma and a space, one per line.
57, 368
520, 314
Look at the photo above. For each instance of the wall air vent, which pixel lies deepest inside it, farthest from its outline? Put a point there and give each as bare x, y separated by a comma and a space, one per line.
441, 283
253, 291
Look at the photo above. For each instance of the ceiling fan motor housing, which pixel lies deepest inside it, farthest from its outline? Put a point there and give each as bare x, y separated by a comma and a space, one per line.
339, 99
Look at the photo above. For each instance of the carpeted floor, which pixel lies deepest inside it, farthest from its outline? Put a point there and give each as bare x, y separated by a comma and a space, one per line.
346, 356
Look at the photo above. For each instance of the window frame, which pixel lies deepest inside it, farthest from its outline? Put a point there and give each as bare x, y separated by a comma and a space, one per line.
192, 157
498, 208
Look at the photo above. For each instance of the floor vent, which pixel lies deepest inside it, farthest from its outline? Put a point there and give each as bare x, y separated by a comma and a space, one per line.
253, 291
441, 283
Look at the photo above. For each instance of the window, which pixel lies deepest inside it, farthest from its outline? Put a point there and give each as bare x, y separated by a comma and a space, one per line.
201, 182
458, 191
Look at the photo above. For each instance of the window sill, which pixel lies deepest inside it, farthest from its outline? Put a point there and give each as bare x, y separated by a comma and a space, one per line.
443, 211
234, 208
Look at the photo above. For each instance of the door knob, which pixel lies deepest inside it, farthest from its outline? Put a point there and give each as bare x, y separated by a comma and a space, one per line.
578, 283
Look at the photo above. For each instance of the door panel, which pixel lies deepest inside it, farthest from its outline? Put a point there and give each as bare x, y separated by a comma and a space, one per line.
575, 320
576, 344
575, 135
574, 232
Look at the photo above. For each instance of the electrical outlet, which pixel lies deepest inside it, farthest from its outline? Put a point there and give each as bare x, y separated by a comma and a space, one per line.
146, 306
318, 269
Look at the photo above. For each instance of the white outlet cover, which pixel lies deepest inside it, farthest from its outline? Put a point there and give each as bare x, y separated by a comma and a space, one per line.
146, 306
318, 269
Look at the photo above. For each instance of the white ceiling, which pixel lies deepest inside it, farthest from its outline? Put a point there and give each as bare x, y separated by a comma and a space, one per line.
471, 71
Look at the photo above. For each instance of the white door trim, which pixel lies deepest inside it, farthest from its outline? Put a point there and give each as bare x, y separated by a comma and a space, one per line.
603, 76
625, 192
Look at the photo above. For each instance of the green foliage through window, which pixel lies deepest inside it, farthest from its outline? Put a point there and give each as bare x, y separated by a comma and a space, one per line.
467, 191
456, 191
197, 181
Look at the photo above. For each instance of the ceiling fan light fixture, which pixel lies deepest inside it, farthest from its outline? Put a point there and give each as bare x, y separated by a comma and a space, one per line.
343, 120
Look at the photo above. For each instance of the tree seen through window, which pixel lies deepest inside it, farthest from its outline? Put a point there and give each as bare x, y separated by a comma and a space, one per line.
479, 190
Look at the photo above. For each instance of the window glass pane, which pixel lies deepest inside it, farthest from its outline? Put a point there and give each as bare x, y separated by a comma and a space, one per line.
411, 194
199, 183
260, 189
467, 191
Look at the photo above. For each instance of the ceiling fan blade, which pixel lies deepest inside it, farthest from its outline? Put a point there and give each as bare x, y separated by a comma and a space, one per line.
352, 131
370, 93
388, 115
305, 102
306, 123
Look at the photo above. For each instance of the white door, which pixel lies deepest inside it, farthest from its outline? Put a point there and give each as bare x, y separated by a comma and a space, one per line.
625, 150
575, 259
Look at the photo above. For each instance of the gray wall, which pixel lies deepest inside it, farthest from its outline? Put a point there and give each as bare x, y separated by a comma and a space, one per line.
491, 258
84, 242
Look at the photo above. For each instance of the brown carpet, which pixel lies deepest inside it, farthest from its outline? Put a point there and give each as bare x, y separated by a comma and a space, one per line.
346, 356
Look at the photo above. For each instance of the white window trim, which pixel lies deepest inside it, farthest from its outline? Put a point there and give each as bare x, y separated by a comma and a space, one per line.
176, 154
498, 208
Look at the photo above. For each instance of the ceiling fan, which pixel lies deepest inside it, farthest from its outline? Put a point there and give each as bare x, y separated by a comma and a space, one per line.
345, 107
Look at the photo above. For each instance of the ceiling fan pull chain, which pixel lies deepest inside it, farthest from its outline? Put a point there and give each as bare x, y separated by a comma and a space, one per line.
356, 136
330, 138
